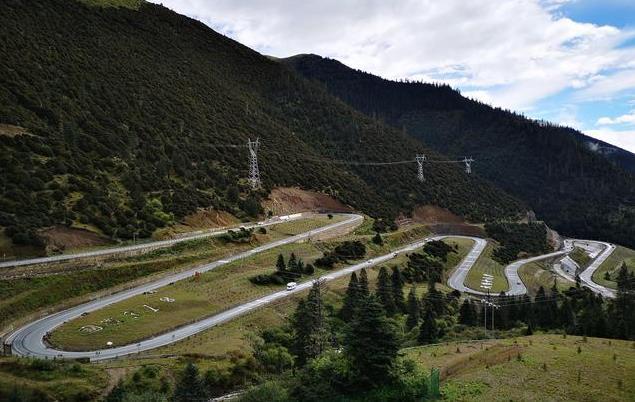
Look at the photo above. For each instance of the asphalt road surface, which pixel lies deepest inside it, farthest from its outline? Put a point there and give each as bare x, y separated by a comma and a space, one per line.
457, 279
147, 245
587, 275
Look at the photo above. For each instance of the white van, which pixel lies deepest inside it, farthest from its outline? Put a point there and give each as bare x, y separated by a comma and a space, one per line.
291, 285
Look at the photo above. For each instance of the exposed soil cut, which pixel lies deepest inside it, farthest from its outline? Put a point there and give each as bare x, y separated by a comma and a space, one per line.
286, 200
60, 238
431, 214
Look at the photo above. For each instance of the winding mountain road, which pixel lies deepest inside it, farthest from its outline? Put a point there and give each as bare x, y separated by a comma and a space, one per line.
29, 339
516, 285
586, 276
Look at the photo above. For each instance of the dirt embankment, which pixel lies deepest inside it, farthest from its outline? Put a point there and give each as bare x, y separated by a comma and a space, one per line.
287, 200
441, 221
60, 238
199, 220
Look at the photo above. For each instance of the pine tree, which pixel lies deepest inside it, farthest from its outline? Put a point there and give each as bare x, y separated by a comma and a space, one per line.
292, 264
190, 386
351, 299
384, 292
622, 308
299, 267
428, 331
371, 345
280, 265
117, 394
466, 313
397, 289
413, 309
377, 239
363, 284
311, 332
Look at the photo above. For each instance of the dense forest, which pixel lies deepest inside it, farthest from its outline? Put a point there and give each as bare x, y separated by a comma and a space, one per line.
128, 119
578, 189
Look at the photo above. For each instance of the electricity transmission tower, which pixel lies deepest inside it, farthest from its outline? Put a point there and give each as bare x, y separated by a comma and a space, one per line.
468, 164
420, 159
254, 173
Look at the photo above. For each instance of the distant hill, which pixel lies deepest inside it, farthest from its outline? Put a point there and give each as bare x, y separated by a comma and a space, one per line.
124, 119
579, 186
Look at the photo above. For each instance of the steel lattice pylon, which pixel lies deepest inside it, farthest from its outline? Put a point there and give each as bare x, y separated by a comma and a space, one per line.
254, 173
420, 159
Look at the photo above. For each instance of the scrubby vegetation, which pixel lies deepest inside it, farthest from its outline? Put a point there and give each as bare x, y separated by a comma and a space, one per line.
514, 238
347, 250
428, 265
131, 144
285, 272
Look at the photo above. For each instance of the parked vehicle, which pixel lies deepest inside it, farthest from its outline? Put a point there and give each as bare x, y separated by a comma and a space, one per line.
291, 285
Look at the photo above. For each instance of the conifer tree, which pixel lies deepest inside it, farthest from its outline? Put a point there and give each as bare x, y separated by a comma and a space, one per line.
371, 345
377, 239
190, 386
292, 264
467, 314
428, 331
351, 299
363, 284
280, 265
309, 322
413, 309
384, 292
397, 289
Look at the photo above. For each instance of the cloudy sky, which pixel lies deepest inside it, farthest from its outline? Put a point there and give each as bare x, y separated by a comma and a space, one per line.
567, 61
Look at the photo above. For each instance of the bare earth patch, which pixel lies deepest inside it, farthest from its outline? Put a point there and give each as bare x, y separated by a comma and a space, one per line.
200, 220
431, 214
12, 131
60, 238
287, 200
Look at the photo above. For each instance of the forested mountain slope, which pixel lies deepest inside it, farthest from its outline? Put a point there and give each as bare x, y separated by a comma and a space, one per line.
128, 119
575, 188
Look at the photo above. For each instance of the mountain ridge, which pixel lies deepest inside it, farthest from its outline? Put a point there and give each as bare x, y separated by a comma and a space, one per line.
576, 190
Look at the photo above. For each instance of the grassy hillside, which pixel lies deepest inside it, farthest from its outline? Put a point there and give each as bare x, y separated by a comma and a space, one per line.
576, 190
534, 368
130, 119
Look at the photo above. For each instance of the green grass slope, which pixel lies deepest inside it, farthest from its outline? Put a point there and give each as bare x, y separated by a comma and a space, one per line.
534, 368
130, 119
576, 190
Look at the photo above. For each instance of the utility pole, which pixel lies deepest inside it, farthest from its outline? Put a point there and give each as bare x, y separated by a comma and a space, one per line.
254, 173
485, 312
468, 164
420, 159
492, 306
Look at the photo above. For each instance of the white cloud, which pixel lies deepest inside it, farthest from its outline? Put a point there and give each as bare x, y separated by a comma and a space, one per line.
622, 138
606, 87
510, 52
628, 118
